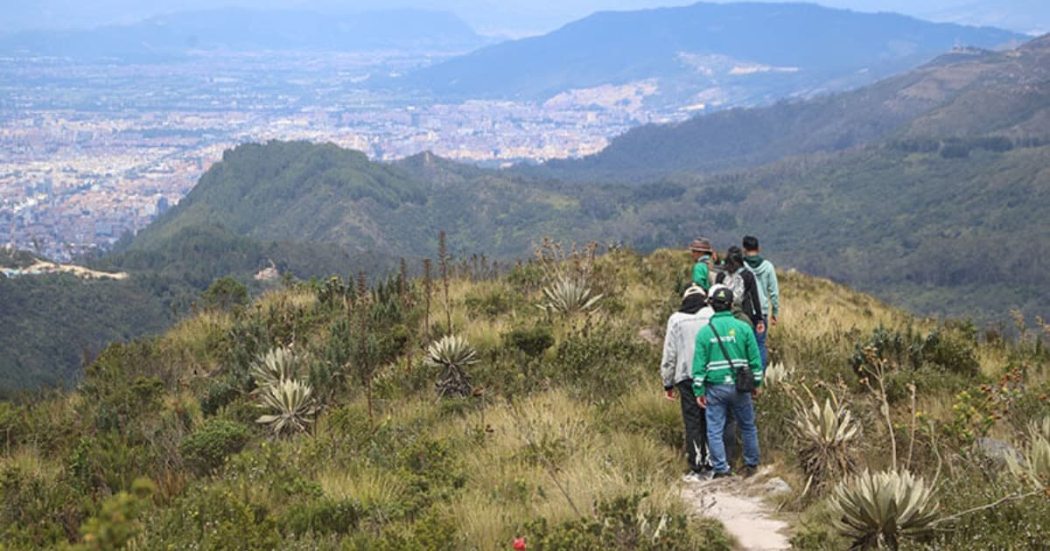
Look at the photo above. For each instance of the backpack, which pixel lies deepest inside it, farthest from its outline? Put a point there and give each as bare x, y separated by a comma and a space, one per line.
743, 308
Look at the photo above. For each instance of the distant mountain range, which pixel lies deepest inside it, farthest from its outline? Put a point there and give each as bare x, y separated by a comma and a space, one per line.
253, 30
710, 54
963, 94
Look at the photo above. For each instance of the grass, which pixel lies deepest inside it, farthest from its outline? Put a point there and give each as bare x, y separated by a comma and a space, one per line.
486, 466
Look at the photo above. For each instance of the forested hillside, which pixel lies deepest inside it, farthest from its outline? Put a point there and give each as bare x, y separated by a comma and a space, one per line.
307, 193
721, 54
336, 414
959, 95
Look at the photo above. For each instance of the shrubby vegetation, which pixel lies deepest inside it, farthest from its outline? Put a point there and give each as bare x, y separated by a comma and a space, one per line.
558, 433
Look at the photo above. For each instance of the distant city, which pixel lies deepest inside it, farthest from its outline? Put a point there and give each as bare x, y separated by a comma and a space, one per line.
89, 152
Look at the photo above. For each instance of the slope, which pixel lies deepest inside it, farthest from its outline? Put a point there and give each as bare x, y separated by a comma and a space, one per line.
563, 438
965, 93
731, 54
306, 193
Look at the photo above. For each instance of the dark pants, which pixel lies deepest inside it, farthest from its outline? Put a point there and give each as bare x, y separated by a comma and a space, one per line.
731, 438
695, 427
760, 338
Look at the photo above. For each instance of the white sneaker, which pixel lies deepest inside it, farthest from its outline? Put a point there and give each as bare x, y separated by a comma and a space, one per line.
694, 477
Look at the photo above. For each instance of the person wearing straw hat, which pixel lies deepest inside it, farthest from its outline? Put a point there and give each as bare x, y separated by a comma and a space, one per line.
702, 257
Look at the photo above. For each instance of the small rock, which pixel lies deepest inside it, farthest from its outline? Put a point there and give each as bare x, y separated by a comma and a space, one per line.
777, 487
649, 336
995, 451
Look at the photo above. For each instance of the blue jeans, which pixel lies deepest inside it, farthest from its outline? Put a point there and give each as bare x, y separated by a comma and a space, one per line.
721, 398
761, 338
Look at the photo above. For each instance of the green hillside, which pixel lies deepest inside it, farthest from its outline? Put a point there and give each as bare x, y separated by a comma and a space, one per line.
321, 194
555, 430
963, 94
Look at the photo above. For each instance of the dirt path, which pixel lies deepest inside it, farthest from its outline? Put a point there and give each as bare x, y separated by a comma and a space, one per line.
738, 505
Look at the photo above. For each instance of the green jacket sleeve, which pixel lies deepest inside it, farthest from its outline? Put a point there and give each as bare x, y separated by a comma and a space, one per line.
703, 338
754, 357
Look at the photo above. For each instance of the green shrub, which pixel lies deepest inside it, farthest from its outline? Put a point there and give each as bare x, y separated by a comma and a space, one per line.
622, 524
322, 517
37, 512
117, 523
952, 352
217, 395
599, 361
225, 293
214, 518
210, 445
533, 341
491, 303
1015, 525
434, 532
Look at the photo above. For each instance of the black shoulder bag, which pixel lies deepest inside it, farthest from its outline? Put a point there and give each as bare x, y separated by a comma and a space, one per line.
745, 381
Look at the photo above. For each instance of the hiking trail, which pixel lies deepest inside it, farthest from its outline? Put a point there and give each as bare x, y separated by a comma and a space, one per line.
738, 504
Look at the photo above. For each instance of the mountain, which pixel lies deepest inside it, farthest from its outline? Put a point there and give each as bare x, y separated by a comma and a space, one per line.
713, 54
233, 29
962, 94
297, 191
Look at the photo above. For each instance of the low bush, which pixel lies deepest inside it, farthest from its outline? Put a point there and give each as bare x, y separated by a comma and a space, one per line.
325, 516
622, 524
210, 445
533, 341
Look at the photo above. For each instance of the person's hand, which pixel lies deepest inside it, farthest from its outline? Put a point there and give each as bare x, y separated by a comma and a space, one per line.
754, 394
702, 401
669, 394
760, 327
772, 320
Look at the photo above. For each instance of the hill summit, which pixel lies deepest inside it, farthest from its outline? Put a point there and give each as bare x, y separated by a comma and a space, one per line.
455, 413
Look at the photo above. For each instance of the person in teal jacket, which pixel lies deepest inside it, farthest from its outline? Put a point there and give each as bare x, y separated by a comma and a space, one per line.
702, 256
768, 290
714, 382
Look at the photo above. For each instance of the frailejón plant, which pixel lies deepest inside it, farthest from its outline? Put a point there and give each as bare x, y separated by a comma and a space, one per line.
567, 295
878, 510
776, 374
292, 405
452, 353
276, 365
828, 435
1034, 467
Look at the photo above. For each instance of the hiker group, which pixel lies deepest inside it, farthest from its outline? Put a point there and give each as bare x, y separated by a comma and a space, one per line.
715, 354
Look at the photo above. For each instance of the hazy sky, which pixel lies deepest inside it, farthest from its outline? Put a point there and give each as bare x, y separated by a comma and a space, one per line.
509, 17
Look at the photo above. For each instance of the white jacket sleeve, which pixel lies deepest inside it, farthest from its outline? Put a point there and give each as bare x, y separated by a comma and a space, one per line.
670, 359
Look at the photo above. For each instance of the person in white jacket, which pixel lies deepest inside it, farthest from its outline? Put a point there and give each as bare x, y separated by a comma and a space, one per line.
676, 368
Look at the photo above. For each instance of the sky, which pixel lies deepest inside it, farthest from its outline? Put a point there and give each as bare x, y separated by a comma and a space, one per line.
509, 18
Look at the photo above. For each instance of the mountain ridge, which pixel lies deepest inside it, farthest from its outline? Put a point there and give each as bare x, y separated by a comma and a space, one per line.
618, 47
240, 29
739, 138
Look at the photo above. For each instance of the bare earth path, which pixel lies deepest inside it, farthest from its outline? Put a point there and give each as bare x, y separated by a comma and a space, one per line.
738, 505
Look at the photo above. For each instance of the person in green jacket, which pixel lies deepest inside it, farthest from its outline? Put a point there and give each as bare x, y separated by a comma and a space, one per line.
714, 382
702, 257
768, 290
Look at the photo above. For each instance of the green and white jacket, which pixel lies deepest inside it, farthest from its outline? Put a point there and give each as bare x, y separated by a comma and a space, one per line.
710, 365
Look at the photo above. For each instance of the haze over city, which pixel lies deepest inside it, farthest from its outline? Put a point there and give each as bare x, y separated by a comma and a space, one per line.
512, 18
104, 128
